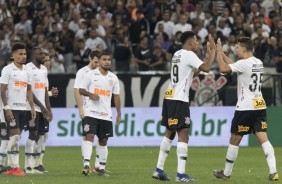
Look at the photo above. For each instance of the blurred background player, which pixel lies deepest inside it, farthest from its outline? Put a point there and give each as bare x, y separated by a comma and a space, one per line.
99, 85
81, 100
16, 93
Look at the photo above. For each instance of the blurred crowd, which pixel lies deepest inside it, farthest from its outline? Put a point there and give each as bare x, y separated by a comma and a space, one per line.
141, 35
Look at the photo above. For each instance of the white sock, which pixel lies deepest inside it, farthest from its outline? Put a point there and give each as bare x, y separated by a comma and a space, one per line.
82, 148
87, 152
103, 156
40, 149
29, 153
45, 137
13, 150
182, 149
231, 155
3, 151
164, 151
270, 157
97, 160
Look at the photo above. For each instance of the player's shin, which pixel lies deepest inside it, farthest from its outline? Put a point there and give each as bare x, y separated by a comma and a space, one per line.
182, 149
3, 151
231, 155
103, 156
164, 151
29, 153
270, 156
13, 150
87, 152
97, 160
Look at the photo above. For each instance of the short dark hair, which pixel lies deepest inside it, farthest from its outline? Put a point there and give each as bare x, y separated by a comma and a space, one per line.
103, 54
46, 53
17, 46
95, 53
186, 36
247, 43
36, 48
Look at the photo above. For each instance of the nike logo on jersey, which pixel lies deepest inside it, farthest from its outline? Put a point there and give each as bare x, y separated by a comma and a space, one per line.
145, 52
107, 134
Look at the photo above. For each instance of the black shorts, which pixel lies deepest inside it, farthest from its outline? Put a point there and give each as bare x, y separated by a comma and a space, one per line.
246, 122
43, 123
100, 128
4, 132
175, 114
19, 121
82, 125
32, 125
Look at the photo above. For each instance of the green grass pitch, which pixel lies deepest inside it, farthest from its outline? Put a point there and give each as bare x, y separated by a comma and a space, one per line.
135, 165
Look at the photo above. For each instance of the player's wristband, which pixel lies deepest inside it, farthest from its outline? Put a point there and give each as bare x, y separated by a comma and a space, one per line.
6, 107
50, 93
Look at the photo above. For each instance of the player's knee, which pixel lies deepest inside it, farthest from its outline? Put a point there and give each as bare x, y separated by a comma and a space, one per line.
89, 137
32, 135
103, 141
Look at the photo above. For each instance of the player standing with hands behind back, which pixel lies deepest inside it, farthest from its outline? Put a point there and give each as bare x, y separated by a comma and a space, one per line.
250, 114
176, 112
99, 85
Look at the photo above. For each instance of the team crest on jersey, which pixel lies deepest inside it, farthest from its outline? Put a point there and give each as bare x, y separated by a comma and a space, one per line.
4, 132
86, 128
13, 123
206, 90
187, 120
31, 123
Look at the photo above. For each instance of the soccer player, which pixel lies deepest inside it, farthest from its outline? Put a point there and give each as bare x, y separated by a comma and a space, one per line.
38, 75
81, 100
175, 112
250, 114
4, 135
15, 92
99, 85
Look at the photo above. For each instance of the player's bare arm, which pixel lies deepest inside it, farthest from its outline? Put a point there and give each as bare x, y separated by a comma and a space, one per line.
48, 105
8, 111
223, 67
29, 96
209, 59
92, 96
79, 102
117, 104
226, 59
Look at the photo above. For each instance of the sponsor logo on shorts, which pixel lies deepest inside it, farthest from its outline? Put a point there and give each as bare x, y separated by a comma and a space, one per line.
86, 128
187, 120
172, 122
263, 125
243, 128
4, 132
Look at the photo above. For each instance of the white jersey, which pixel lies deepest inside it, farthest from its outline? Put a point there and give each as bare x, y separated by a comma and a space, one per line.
249, 78
104, 87
183, 65
17, 81
39, 83
81, 73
